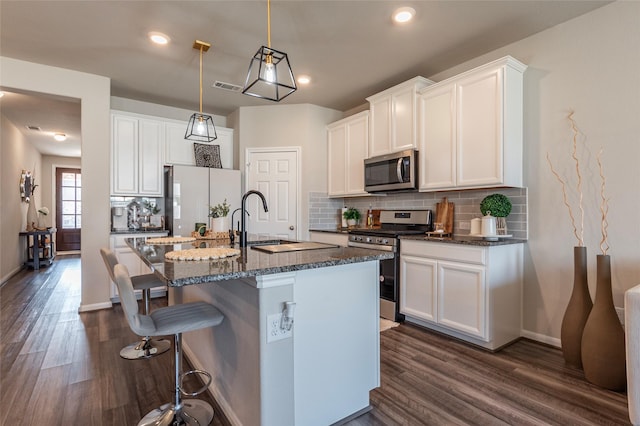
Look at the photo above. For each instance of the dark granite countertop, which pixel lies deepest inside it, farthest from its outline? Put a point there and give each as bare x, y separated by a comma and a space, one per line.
331, 231
140, 231
249, 263
464, 240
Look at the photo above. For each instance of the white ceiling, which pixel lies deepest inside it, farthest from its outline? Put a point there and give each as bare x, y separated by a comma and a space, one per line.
351, 49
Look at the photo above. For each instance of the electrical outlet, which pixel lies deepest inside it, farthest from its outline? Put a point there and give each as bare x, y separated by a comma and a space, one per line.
274, 332
620, 312
465, 224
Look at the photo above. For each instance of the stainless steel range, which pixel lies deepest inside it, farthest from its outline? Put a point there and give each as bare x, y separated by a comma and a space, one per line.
393, 223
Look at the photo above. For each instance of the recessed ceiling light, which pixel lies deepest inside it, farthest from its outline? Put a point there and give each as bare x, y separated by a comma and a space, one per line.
60, 137
404, 14
159, 38
304, 79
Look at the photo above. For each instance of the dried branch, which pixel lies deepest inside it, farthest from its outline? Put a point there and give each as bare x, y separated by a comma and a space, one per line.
574, 155
604, 207
566, 202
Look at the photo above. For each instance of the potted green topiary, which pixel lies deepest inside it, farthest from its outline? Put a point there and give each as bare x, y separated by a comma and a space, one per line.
498, 206
218, 214
352, 215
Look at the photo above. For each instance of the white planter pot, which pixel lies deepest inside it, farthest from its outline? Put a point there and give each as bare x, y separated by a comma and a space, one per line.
352, 222
219, 224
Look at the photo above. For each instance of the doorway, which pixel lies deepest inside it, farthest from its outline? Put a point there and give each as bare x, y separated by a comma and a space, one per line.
275, 172
68, 209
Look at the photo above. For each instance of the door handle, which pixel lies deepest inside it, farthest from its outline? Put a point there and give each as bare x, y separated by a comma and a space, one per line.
399, 170
291, 228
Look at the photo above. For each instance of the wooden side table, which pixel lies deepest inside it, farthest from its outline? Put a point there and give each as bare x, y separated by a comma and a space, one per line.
40, 247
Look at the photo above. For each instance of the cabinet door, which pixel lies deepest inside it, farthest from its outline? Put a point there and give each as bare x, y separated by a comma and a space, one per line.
225, 141
437, 138
403, 123
124, 155
151, 142
418, 277
462, 298
480, 129
380, 126
178, 150
337, 160
356, 150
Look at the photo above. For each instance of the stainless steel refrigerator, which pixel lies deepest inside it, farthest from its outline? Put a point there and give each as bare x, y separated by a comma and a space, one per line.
190, 190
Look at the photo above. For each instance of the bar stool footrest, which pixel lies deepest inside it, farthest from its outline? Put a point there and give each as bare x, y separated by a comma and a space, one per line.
199, 391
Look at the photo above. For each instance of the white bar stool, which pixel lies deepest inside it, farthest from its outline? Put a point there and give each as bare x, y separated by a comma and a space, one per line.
147, 347
175, 320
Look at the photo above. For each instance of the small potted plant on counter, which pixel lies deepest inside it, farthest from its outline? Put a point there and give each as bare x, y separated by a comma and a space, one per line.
352, 215
498, 206
218, 214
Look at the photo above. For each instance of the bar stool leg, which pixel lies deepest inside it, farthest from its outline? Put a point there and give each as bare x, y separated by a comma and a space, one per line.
147, 347
180, 412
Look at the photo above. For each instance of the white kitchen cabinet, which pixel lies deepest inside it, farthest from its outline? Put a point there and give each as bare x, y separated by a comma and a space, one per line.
470, 292
347, 141
179, 150
341, 239
127, 257
470, 128
136, 155
393, 118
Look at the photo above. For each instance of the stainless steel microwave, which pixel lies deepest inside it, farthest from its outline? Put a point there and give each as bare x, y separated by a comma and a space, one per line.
391, 172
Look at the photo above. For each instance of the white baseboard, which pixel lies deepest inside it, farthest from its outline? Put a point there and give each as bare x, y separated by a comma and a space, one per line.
542, 338
95, 307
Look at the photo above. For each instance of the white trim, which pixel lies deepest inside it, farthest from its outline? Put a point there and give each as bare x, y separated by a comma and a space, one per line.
275, 280
298, 152
542, 338
95, 306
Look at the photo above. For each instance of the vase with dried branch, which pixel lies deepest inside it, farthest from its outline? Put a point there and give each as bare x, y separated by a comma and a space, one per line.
603, 345
580, 304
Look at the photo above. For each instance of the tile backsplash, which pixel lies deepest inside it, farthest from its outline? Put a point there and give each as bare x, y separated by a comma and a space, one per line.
324, 212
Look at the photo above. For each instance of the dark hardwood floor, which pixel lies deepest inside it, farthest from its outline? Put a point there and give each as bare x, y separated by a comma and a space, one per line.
59, 367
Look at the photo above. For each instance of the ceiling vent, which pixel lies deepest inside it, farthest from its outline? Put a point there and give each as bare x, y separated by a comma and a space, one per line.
34, 128
227, 86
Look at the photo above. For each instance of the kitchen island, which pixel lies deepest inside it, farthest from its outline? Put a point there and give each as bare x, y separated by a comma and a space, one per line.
319, 372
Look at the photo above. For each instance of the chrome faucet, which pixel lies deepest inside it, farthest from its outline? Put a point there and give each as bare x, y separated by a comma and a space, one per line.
243, 225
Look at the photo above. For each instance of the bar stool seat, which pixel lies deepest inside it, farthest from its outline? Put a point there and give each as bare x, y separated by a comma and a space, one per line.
147, 347
175, 320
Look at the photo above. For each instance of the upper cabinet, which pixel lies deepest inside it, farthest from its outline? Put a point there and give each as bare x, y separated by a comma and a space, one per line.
393, 118
470, 128
136, 155
179, 150
347, 148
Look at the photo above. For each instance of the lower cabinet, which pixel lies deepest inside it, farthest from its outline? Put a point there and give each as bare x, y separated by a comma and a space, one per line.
470, 292
127, 257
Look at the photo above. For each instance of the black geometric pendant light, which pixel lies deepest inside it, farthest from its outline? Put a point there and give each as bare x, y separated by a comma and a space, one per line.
270, 75
201, 127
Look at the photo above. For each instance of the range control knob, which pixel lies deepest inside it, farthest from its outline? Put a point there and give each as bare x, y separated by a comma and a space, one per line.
385, 241
368, 239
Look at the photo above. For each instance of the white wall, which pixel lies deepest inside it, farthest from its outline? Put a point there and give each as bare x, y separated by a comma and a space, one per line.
591, 65
288, 126
94, 94
17, 154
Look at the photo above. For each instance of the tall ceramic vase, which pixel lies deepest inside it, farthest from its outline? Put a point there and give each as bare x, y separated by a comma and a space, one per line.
577, 312
32, 215
603, 347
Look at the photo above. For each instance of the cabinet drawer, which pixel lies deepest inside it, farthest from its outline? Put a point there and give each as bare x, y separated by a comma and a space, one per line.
445, 251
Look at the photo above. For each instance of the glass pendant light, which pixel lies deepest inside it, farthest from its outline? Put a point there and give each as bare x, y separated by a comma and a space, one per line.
270, 75
201, 127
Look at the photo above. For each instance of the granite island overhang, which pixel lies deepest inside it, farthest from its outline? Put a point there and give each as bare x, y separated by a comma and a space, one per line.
318, 373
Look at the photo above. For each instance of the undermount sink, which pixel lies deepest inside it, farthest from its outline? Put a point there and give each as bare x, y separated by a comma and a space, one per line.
283, 246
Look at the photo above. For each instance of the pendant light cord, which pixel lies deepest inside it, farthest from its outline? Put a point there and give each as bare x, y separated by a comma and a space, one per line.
201, 47
269, 24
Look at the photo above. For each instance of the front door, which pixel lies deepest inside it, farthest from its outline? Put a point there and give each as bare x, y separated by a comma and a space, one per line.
68, 209
274, 172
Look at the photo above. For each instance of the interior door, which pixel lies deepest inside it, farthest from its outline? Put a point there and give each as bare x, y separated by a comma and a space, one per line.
68, 209
274, 172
